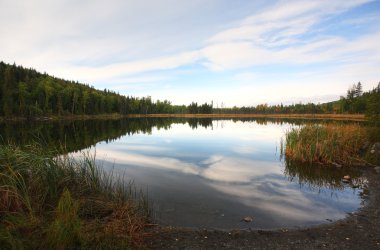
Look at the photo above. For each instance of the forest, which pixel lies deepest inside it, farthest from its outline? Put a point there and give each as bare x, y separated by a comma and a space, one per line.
28, 93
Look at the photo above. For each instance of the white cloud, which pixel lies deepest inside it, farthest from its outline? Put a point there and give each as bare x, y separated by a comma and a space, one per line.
114, 70
123, 44
285, 10
273, 37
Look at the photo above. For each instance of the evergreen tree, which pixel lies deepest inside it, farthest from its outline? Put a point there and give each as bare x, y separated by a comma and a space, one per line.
358, 89
373, 110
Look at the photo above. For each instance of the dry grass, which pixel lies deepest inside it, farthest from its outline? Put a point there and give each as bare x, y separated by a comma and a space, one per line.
326, 143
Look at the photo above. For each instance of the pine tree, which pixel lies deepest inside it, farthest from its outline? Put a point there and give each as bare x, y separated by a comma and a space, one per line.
358, 89
351, 92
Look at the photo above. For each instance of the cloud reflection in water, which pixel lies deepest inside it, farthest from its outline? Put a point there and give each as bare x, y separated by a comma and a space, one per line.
226, 173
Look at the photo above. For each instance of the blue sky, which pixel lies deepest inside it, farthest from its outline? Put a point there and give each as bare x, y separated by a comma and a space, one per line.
230, 52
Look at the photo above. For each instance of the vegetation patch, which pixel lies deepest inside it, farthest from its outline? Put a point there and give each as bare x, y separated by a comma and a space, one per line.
63, 203
345, 144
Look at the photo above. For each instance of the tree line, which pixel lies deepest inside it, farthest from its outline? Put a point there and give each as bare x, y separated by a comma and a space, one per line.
28, 93
355, 102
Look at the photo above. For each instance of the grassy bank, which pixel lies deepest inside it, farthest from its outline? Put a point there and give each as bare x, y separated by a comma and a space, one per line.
331, 143
50, 202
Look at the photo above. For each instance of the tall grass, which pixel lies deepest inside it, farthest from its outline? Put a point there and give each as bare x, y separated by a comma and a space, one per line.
325, 143
49, 201
65, 230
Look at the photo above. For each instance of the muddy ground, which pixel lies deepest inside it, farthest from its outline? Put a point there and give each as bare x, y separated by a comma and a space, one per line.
360, 230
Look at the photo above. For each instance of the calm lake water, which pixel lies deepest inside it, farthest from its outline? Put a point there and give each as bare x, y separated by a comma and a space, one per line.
207, 173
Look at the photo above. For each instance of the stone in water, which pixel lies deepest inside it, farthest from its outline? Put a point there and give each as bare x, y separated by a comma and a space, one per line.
248, 219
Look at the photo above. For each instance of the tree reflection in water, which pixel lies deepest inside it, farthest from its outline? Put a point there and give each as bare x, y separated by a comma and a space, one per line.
318, 176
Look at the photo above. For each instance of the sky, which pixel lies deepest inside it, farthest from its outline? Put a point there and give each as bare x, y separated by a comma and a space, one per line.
237, 52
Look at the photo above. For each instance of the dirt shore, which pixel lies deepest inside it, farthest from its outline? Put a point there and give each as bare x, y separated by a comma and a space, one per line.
359, 230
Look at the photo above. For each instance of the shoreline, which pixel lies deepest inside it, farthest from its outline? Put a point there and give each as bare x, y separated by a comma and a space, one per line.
347, 117
359, 230
338, 117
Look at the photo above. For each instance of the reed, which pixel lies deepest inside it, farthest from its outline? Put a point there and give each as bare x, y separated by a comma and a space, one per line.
64, 202
325, 143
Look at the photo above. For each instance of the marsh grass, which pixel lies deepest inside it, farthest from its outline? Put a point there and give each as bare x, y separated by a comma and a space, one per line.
60, 202
325, 143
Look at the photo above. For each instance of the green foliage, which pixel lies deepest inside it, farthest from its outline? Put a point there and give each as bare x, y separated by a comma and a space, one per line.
50, 200
205, 108
26, 92
373, 108
64, 232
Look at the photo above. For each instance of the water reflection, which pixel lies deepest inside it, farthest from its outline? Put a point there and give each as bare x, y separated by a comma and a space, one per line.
318, 176
76, 135
217, 174
208, 173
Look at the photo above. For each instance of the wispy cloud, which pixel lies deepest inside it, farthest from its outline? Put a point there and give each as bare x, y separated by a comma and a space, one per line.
131, 68
136, 47
277, 36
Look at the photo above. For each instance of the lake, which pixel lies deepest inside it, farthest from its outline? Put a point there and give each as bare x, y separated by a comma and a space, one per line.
204, 173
